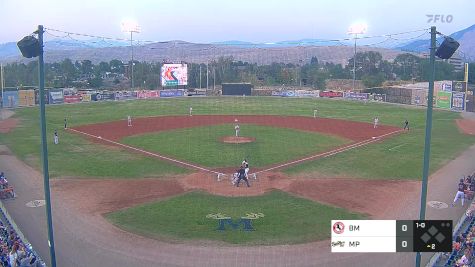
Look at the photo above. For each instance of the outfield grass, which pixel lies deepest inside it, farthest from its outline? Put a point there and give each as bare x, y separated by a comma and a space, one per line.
399, 157
202, 145
287, 219
78, 156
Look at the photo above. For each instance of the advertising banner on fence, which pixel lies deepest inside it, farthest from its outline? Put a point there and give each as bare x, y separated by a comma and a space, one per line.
458, 101
171, 93
102, 96
37, 97
56, 96
85, 97
355, 95
378, 97
459, 86
72, 98
26, 98
419, 97
10, 99
331, 94
174, 74
444, 99
144, 94
307, 93
125, 95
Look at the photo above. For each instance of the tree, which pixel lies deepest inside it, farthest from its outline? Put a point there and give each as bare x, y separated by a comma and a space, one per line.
406, 66
117, 66
373, 80
314, 61
443, 70
68, 70
86, 67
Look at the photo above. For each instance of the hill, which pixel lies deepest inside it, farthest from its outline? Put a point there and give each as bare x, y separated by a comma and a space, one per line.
465, 37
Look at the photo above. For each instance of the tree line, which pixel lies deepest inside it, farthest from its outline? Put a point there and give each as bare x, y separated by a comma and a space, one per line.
370, 68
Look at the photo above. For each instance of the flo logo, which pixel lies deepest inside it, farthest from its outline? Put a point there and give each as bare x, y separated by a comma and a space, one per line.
245, 222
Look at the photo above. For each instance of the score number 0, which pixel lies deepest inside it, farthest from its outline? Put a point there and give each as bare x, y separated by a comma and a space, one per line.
404, 242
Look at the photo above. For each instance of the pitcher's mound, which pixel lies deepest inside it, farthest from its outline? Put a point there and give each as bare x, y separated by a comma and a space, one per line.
237, 139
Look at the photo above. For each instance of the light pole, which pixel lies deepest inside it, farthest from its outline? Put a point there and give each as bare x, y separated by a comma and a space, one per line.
357, 28
131, 26
30, 47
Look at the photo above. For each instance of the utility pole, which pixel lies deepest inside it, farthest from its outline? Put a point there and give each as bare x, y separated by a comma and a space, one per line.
44, 147
131, 26
430, 101
214, 78
200, 75
207, 74
2, 82
354, 63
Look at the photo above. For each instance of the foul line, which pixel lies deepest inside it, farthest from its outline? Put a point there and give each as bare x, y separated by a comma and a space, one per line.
332, 152
147, 152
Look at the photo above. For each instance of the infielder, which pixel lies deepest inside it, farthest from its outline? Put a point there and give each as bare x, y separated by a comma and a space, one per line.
460, 193
406, 125
376, 121
129, 120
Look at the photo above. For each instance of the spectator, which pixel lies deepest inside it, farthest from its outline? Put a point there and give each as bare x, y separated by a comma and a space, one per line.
456, 245
466, 259
13, 256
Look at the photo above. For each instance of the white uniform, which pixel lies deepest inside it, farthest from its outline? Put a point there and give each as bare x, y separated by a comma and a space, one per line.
246, 168
56, 138
376, 121
236, 128
129, 121
191, 111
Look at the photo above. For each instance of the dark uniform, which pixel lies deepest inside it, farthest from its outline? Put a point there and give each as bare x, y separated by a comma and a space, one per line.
242, 176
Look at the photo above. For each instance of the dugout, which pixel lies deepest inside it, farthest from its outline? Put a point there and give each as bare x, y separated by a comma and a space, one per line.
237, 89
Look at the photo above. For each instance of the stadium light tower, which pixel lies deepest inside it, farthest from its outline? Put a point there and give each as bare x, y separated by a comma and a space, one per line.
356, 28
131, 26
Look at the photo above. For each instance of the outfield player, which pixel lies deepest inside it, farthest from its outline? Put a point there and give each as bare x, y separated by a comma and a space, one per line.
65, 123
376, 122
191, 111
129, 120
406, 125
55, 137
460, 193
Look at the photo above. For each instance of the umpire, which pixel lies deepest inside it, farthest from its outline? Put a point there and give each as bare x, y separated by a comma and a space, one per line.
242, 176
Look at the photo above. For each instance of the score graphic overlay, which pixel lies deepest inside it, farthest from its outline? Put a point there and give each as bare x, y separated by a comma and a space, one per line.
391, 236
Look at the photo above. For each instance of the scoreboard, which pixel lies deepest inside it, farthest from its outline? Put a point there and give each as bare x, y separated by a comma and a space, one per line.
391, 236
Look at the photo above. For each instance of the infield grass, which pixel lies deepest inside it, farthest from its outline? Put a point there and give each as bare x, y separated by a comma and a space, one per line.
398, 157
202, 145
287, 219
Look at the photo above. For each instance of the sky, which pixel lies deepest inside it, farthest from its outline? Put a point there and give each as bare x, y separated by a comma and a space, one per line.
205, 21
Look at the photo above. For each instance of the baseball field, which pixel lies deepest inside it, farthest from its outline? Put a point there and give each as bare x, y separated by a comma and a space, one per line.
305, 171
